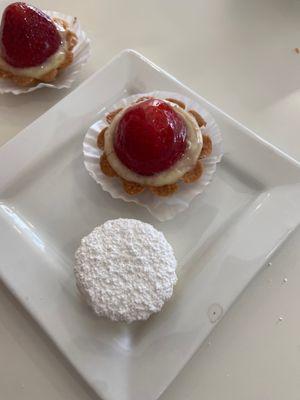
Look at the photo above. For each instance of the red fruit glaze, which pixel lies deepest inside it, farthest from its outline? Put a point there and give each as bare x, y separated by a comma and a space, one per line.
150, 137
27, 36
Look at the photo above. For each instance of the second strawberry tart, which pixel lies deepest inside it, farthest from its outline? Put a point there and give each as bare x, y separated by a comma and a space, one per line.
33, 47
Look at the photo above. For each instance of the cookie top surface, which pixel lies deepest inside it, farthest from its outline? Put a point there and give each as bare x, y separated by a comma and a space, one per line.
125, 269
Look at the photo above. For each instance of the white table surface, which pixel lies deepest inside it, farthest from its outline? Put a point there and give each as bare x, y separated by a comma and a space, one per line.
239, 55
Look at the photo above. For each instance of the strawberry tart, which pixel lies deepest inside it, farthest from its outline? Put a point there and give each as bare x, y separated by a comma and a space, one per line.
33, 47
153, 144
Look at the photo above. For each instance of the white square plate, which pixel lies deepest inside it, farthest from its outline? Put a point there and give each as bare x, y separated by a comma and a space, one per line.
48, 202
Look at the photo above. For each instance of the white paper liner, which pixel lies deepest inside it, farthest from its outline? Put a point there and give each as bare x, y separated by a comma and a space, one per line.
66, 77
163, 208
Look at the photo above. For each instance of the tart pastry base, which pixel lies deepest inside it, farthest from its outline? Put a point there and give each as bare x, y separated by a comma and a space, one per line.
162, 208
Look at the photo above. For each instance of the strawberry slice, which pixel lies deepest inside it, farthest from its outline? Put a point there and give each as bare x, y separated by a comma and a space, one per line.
27, 36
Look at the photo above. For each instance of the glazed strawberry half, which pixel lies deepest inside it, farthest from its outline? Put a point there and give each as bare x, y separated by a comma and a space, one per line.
150, 137
27, 36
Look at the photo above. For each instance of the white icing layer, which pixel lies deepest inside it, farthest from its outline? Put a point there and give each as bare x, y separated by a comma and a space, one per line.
172, 174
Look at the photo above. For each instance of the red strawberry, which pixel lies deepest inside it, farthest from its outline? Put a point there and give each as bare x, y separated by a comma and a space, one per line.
150, 137
27, 36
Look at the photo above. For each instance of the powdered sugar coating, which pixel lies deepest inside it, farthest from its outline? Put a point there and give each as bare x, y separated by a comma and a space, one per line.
125, 270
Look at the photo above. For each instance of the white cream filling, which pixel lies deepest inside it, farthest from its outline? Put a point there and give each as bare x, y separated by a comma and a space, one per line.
194, 144
51, 63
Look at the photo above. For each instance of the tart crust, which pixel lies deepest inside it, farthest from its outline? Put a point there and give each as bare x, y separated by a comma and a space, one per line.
71, 39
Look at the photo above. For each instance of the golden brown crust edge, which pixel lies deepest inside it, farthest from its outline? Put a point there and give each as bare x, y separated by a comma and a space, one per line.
207, 147
132, 188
